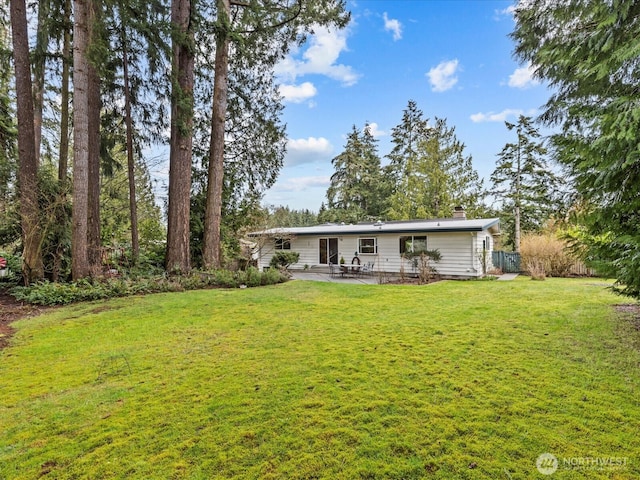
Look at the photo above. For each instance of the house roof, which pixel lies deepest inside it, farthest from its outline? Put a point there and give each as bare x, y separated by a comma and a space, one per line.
408, 226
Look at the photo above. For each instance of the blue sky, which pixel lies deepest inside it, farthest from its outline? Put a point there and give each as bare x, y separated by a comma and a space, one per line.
453, 57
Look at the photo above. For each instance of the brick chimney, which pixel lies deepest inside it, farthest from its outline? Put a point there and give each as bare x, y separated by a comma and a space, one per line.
459, 213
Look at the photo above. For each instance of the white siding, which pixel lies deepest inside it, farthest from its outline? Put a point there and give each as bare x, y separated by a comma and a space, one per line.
307, 247
461, 252
487, 248
455, 249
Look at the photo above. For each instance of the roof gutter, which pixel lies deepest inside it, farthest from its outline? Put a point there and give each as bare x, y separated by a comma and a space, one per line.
369, 232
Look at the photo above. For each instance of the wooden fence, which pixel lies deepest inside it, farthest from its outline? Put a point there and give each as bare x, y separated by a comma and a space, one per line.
508, 262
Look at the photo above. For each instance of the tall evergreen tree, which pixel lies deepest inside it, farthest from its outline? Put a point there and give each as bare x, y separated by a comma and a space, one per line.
40, 55
138, 49
66, 60
406, 138
254, 146
355, 190
133, 210
32, 264
588, 52
451, 180
431, 175
79, 248
525, 181
86, 122
94, 99
7, 115
182, 82
270, 27
212, 247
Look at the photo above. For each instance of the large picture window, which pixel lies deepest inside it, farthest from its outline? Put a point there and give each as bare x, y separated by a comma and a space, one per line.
413, 244
283, 244
368, 245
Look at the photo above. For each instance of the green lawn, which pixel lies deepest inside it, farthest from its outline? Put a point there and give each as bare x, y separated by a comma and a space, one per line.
452, 380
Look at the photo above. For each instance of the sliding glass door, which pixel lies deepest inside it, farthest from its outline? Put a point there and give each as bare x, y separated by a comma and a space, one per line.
328, 251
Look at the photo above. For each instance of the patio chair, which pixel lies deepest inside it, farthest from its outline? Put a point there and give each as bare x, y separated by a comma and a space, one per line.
332, 269
367, 269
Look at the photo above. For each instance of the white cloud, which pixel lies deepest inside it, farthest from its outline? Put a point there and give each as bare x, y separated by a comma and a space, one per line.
495, 117
307, 150
325, 46
443, 76
299, 184
523, 78
392, 25
298, 93
505, 12
374, 130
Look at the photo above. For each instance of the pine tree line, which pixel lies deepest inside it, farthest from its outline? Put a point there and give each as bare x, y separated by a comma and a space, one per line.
427, 175
110, 76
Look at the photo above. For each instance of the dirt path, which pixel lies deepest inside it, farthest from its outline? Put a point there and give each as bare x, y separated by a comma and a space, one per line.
11, 310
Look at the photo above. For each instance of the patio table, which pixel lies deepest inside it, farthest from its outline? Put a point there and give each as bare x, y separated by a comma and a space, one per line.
353, 269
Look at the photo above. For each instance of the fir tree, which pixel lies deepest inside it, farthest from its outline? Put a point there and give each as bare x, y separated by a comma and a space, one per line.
355, 190
525, 181
429, 171
588, 52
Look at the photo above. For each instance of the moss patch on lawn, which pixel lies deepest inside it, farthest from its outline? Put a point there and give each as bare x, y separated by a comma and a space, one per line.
318, 380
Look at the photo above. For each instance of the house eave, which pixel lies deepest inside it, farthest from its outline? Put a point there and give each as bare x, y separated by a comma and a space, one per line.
397, 228
367, 232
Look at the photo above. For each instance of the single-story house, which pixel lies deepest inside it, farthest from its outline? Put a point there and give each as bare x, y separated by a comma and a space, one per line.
465, 245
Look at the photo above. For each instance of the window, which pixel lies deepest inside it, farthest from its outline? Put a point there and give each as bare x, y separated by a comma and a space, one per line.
367, 245
486, 243
413, 244
283, 244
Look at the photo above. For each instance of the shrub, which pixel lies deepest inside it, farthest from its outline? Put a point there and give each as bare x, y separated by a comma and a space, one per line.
272, 276
48, 293
254, 278
422, 262
545, 255
226, 278
13, 262
282, 259
535, 268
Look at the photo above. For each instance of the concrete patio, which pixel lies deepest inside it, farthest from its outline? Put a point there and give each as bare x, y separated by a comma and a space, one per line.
325, 277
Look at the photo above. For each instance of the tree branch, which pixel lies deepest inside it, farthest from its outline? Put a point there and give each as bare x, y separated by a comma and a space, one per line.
274, 26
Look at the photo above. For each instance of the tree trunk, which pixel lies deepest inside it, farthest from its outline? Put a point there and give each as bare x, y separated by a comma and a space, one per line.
135, 248
518, 203
63, 153
63, 158
32, 266
42, 41
93, 199
80, 215
213, 214
180, 153
516, 236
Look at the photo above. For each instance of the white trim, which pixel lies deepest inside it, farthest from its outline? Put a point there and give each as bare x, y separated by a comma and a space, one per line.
375, 245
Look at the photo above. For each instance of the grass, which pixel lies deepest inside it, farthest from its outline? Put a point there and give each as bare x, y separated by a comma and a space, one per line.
465, 380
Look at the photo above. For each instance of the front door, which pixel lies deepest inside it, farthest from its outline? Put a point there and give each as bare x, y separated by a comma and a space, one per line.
328, 251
